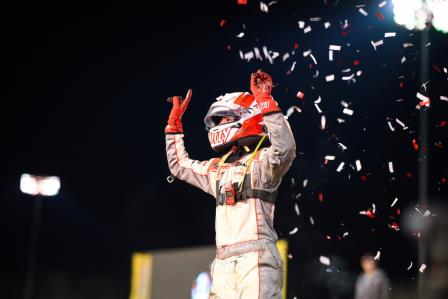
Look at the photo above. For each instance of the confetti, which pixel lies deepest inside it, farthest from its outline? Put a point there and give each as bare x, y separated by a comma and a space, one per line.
345, 234
358, 165
285, 56
306, 53
329, 157
318, 108
295, 230
407, 45
377, 43
390, 126
291, 111
316, 19
324, 260
330, 55
264, 7
301, 24
394, 226
340, 167
170, 179
327, 25
300, 95
401, 123
391, 167
403, 59
410, 266
335, 47
422, 268
305, 183
311, 220
427, 213
293, 66
313, 58
444, 98
322, 122
378, 255
242, 2
240, 35
415, 144
422, 97
296, 208
342, 146
307, 29
382, 4
329, 78
363, 12
394, 202
347, 111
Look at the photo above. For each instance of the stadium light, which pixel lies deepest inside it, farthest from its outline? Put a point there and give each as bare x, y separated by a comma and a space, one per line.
420, 14
38, 187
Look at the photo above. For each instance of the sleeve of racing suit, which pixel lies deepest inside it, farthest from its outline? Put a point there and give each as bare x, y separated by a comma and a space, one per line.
282, 151
194, 172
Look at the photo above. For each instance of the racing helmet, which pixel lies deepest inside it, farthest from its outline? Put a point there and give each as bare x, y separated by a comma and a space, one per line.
246, 127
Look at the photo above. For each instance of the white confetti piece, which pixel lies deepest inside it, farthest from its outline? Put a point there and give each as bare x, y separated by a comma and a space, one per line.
346, 70
390, 34
324, 260
267, 55
319, 99
378, 255
345, 234
358, 73
340, 167
264, 7
331, 158
305, 183
407, 45
240, 35
340, 120
329, 78
327, 25
307, 29
358, 165
248, 56
377, 43
170, 179
444, 98
403, 59
445, 70
296, 208
342, 146
301, 24
394, 202
363, 12
344, 104
291, 110
257, 54
427, 213
293, 66
313, 58
318, 108
347, 111
300, 94
391, 167
306, 53
311, 220
382, 4
323, 122
390, 126
348, 78
335, 47
295, 230
410, 266
316, 19
422, 97
373, 208
422, 268
401, 123
330, 55
285, 56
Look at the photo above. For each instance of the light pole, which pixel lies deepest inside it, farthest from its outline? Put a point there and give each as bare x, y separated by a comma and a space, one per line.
419, 15
38, 187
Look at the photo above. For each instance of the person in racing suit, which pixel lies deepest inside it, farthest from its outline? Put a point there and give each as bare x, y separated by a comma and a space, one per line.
244, 183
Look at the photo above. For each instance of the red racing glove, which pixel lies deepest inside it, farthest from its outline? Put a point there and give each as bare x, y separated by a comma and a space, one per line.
261, 87
175, 119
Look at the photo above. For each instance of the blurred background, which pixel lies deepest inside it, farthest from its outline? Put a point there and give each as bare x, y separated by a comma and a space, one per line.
84, 99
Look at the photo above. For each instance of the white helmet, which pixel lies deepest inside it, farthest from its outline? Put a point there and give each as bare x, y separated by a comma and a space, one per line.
245, 129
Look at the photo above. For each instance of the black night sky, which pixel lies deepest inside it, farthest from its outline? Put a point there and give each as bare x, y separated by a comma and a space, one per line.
84, 98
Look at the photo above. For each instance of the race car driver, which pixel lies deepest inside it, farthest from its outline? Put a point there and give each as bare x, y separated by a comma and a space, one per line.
257, 148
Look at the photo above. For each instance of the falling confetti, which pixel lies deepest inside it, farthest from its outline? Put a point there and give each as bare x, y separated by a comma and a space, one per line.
324, 260
295, 230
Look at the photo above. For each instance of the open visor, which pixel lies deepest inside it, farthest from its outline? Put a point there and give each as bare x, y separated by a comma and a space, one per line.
219, 110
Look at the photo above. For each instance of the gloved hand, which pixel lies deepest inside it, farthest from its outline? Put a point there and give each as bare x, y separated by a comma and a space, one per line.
261, 87
175, 119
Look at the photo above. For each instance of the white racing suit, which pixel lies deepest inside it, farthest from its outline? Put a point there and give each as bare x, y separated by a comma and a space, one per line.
247, 263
